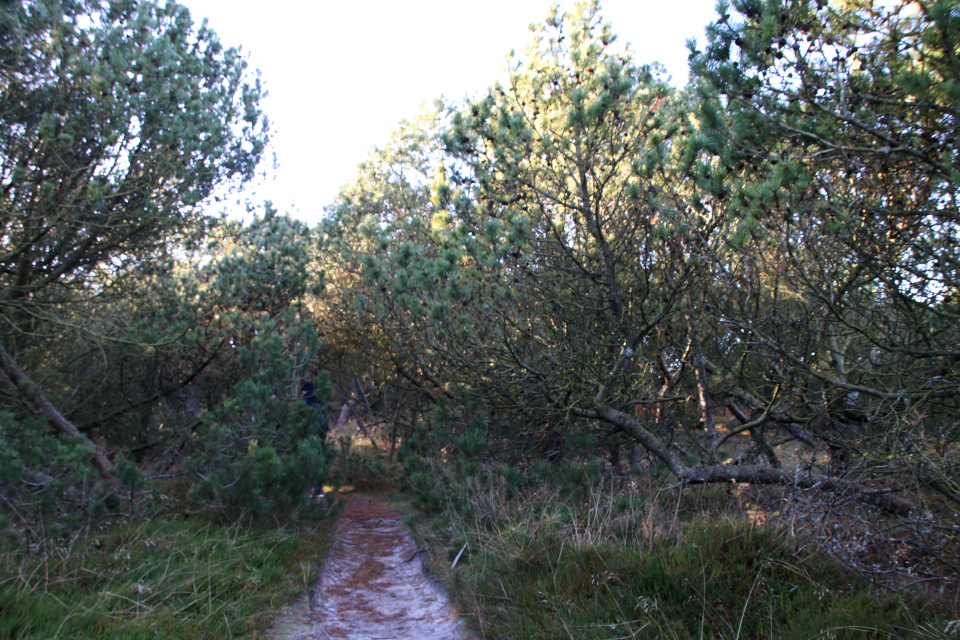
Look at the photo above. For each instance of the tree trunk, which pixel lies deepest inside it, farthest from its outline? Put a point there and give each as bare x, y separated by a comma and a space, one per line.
703, 386
39, 399
344, 412
356, 414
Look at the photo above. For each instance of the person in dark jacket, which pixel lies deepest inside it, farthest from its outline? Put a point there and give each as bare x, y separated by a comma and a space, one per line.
308, 393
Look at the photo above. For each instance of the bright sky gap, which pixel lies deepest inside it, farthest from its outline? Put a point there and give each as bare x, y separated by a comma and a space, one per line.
341, 75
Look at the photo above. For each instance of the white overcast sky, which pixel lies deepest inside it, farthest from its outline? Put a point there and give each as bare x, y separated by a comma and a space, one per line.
342, 74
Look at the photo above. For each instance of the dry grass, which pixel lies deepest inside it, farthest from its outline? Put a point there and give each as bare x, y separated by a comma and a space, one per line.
626, 558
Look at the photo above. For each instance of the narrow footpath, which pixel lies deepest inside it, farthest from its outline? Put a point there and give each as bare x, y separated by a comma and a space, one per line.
372, 586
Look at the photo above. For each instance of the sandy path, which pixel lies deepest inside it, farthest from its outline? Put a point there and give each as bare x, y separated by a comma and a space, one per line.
372, 586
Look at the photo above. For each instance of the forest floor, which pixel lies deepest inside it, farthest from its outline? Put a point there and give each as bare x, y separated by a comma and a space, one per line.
372, 586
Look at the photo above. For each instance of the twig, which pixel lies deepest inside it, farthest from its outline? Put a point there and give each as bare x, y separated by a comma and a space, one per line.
457, 559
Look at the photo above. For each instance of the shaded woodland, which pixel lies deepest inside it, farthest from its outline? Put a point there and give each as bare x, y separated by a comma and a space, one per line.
751, 280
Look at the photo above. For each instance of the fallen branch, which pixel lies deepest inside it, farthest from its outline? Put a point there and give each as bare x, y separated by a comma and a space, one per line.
715, 473
457, 559
881, 498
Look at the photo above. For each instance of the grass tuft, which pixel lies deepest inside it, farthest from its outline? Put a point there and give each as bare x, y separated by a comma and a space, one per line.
168, 578
612, 559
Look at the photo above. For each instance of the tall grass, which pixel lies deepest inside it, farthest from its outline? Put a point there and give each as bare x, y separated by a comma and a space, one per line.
166, 578
543, 557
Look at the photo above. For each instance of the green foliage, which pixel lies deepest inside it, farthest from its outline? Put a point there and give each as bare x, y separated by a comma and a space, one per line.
166, 579
836, 129
261, 448
499, 240
426, 480
49, 486
754, 278
471, 443
118, 119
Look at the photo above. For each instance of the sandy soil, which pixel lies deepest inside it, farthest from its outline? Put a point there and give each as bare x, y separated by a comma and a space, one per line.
372, 586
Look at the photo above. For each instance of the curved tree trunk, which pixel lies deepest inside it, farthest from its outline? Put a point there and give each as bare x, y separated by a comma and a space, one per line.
39, 399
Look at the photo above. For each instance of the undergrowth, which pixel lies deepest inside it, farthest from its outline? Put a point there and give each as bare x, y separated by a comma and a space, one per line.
566, 552
164, 578
361, 466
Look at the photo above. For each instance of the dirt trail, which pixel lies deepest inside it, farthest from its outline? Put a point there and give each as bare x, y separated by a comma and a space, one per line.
372, 586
